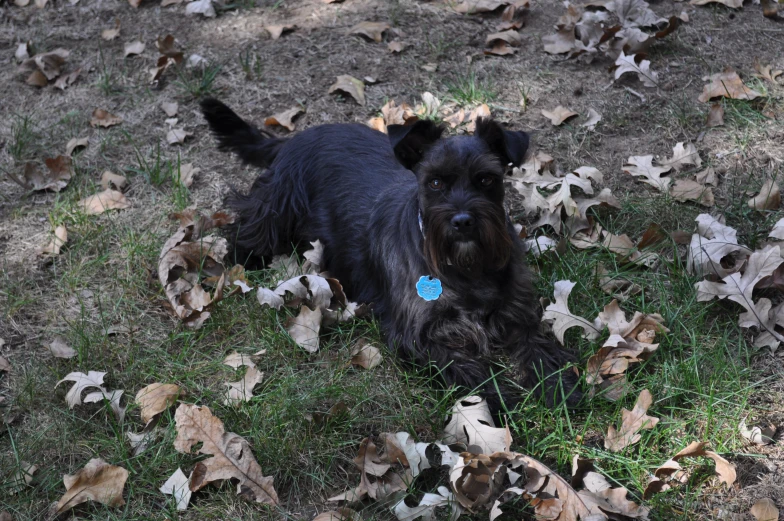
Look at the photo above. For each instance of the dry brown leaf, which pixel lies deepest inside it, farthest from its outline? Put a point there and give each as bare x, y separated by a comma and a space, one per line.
57, 242
768, 198
111, 34
177, 136
55, 179
396, 46
558, 115
757, 435
5, 365
60, 349
593, 118
502, 43
107, 200
97, 481
110, 180
616, 286
688, 190
370, 30
365, 354
426, 507
724, 469
726, 84
738, 288
66, 80
284, 119
304, 328
735, 4
765, 510
561, 42
276, 31
82, 382
170, 108
47, 65
22, 52
486, 6
202, 7
631, 423
715, 116
156, 398
643, 167
713, 247
76, 143
185, 174
683, 156
133, 48
232, 457
103, 118
472, 424
349, 86
562, 319
21, 479
140, 442
177, 486
777, 232
636, 65
482, 111
242, 390
766, 72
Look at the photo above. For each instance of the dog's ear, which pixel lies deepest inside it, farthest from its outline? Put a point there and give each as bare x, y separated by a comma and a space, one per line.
410, 142
510, 146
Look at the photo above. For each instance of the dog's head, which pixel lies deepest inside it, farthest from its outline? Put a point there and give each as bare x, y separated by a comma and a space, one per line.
461, 198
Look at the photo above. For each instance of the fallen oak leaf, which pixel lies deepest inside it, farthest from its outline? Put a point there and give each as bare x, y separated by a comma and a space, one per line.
350, 86
112, 398
734, 4
365, 354
682, 156
76, 143
133, 48
177, 136
82, 382
231, 458
757, 435
60, 349
140, 442
276, 31
637, 65
643, 167
766, 72
502, 43
184, 176
562, 319
768, 198
726, 84
110, 180
111, 34
103, 118
559, 115
202, 7
57, 242
712, 245
426, 507
284, 119
304, 328
396, 46
371, 30
486, 6
96, 481
177, 487
631, 423
765, 510
688, 190
593, 119
777, 232
715, 116
107, 200
21, 479
471, 423
170, 108
155, 398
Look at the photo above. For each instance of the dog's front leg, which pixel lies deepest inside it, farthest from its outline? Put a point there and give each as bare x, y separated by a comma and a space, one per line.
543, 363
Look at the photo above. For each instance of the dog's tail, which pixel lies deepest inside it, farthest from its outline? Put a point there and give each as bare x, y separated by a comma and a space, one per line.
253, 146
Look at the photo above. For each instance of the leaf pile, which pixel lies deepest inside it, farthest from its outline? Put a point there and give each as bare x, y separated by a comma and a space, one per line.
733, 272
621, 30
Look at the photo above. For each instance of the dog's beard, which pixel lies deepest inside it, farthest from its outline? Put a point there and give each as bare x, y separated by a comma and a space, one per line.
489, 249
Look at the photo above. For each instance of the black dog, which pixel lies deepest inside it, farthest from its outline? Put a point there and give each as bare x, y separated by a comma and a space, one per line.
415, 225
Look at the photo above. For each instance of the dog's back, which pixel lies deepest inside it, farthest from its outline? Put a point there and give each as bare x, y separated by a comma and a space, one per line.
323, 183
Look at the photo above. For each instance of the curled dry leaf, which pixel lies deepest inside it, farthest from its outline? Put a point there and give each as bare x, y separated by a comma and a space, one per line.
471, 423
426, 509
349, 86
45, 66
170, 108
757, 435
111, 34
140, 442
734, 4
22, 52
715, 116
778, 230
766, 72
82, 382
365, 354
60, 349
75, 144
276, 31
726, 84
21, 479
643, 167
304, 328
593, 119
765, 510
562, 319
57, 242
768, 198
714, 249
107, 200
66, 80
156, 398
396, 46
112, 181
104, 118
636, 65
5, 365
341, 514
202, 7
672, 472
177, 486
284, 119
242, 390
688, 190
112, 398
631, 423
558, 115
371, 30
185, 174
97, 481
486, 6
503, 42
133, 48
231, 458
55, 179
177, 136
683, 156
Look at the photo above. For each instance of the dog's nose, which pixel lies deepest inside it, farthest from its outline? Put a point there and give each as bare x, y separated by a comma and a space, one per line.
462, 221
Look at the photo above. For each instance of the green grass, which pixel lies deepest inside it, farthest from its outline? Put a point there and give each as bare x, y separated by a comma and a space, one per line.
468, 90
197, 81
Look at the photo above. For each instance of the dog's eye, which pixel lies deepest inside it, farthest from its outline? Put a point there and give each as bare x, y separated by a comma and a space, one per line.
487, 180
436, 184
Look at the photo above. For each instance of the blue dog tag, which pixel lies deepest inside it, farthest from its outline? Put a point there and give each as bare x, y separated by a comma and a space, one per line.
428, 288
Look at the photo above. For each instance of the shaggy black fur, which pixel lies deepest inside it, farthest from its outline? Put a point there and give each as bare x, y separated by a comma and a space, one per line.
347, 186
